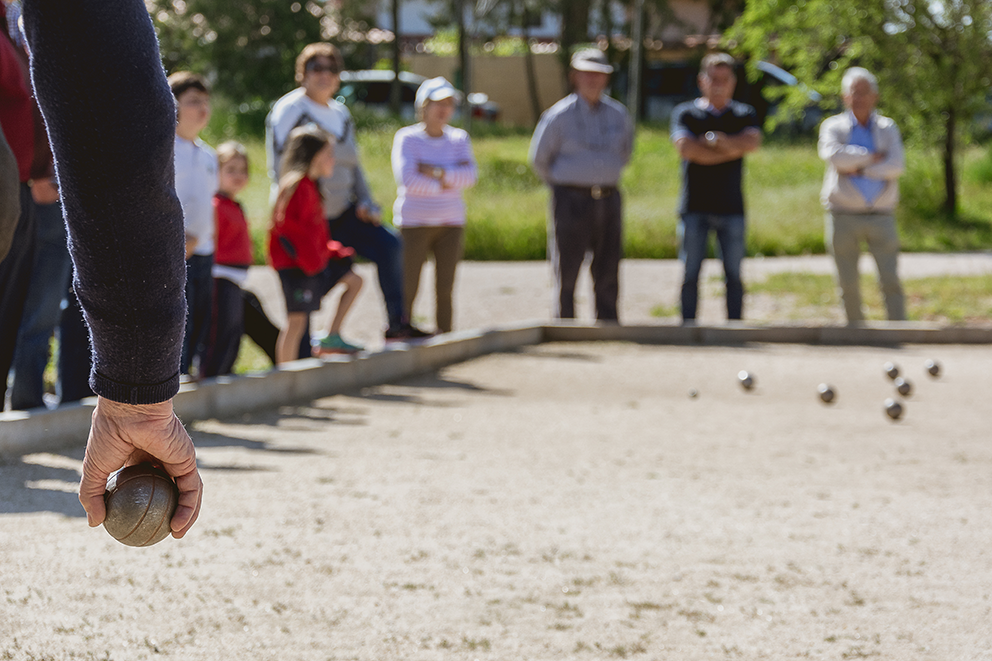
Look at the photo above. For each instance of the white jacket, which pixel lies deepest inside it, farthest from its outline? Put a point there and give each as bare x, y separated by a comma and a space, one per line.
839, 193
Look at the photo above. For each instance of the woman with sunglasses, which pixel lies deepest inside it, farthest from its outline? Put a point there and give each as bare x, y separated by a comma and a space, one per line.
352, 215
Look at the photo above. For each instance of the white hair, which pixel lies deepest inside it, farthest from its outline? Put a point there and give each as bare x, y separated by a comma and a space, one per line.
853, 75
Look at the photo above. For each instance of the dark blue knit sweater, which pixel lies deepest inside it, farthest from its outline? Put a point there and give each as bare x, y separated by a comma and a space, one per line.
111, 120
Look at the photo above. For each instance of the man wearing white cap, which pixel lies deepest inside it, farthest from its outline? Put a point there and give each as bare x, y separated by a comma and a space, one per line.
579, 149
432, 164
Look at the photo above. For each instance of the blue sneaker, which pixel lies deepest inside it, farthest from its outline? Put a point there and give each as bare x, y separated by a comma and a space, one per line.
335, 344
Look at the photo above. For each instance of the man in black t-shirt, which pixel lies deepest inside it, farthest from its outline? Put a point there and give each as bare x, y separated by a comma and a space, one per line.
712, 135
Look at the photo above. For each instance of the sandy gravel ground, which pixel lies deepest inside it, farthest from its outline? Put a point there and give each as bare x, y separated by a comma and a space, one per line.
567, 501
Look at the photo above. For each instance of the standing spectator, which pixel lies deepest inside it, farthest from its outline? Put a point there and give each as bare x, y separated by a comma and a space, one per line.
352, 216
308, 261
18, 124
231, 260
432, 163
50, 272
579, 148
712, 135
864, 156
196, 183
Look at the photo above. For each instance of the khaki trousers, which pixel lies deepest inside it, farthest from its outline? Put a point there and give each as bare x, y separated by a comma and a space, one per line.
844, 233
447, 245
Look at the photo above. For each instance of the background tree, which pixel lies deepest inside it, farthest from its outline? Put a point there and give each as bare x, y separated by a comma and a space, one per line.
933, 59
248, 48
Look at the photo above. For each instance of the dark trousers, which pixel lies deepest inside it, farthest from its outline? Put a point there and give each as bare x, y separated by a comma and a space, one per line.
258, 326
379, 244
74, 353
199, 308
581, 224
50, 271
15, 274
227, 328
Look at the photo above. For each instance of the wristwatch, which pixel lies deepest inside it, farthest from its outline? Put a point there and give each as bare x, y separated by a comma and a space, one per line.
710, 137
437, 172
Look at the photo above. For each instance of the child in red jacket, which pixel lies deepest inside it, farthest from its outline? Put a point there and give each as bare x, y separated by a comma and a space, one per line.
232, 257
300, 247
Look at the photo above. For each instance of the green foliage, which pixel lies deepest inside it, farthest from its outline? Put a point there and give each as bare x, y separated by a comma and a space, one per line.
933, 59
508, 207
248, 48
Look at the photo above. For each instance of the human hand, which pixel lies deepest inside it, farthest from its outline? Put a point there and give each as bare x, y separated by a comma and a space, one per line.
191, 242
45, 191
368, 213
126, 434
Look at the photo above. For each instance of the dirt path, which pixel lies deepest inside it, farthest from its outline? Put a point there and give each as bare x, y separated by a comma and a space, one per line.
561, 502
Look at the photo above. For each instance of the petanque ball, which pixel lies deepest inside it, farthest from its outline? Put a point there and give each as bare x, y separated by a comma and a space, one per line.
933, 367
893, 409
141, 501
891, 370
904, 387
747, 381
827, 393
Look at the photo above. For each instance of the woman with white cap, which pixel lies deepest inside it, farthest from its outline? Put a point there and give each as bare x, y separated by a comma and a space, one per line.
433, 164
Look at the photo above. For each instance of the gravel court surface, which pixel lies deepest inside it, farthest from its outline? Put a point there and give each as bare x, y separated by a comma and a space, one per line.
566, 501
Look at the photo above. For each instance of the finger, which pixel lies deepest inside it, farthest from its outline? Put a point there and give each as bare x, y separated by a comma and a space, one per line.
92, 486
190, 496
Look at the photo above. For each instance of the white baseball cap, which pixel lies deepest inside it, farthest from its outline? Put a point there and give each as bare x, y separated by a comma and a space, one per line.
436, 89
591, 59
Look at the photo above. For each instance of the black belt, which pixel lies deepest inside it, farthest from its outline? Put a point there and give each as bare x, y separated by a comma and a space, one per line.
595, 192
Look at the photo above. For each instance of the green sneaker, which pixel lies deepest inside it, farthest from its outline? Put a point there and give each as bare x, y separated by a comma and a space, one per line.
333, 344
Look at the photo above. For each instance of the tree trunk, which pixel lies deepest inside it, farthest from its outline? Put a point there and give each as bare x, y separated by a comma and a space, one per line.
535, 102
950, 174
463, 63
394, 91
574, 29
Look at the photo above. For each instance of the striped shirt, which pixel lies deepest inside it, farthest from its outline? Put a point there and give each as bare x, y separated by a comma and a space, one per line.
421, 200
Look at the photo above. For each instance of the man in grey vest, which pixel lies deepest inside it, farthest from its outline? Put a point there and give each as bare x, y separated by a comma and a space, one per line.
579, 149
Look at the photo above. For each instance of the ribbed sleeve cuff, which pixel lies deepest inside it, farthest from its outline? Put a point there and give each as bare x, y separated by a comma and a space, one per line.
127, 393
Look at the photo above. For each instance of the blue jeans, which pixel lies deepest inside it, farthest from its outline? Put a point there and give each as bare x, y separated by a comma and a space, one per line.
694, 233
199, 309
43, 307
74, 352
379, 244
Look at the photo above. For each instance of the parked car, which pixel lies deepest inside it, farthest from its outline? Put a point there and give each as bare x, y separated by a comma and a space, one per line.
371, 88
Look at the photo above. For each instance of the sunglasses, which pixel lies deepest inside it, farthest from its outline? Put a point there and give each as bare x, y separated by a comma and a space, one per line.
315, 67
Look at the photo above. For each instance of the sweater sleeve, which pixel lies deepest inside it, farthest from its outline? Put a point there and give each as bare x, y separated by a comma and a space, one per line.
464, 174
111, 121
405, 167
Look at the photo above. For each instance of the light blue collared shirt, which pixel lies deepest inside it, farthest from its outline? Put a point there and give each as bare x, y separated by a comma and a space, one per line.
861, 136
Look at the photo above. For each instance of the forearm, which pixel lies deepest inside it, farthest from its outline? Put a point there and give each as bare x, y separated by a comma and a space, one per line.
111, 119
699, 152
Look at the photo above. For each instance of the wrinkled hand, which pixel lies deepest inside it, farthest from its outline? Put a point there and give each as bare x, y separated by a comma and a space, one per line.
124, 435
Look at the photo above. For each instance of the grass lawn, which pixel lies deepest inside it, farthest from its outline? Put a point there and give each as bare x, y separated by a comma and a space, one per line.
508, 207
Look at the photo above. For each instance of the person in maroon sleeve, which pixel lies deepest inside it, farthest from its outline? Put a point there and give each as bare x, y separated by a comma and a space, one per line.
17, 122
111, 120
300, 247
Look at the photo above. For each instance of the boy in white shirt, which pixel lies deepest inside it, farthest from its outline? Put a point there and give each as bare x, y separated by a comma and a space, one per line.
196, 183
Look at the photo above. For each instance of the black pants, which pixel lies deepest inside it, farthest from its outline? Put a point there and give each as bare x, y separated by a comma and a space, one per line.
227, 327
580, 224
15, 274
